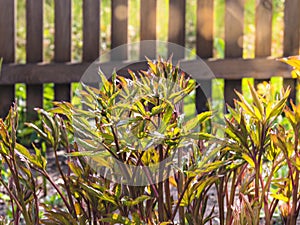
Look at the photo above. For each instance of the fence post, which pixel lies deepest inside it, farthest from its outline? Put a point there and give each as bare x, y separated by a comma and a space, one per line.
119, 27
91, 30
263, 30
204, 49
148, 28
234, 27
62, 44
7, 50
291, 38
34, 53
177, 27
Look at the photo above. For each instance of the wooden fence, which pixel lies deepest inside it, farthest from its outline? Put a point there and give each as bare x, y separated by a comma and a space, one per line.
62, 72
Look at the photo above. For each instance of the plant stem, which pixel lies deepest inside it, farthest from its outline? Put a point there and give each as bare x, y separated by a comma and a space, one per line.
180, 198
20, 196
37, 222
180, 186
220, 189
160, 187
168, 198
294, 211
66, 183
231, 198
11, 195
45, 174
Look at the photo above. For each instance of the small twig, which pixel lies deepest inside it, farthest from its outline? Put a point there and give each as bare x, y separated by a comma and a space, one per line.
45, 174
180, 198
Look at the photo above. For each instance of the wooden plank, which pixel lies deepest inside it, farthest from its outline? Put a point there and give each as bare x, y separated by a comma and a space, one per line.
289, 82
34, 53
91, 30
148, 28
62, 39
205, 22
62, 44
291, 27
234, 26
176, 28
263, 31
204, 49
231, 69
119, 28
7, 50
34, 35
7, 30
291, 37
7, 93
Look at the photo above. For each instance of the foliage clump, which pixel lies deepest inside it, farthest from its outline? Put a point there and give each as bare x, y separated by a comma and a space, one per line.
116, 143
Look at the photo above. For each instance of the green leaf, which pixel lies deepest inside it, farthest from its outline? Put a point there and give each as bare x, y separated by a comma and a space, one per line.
166, 119
156, 110
87, 145
246, 106
136, 201
38, 130
4, 197
204, 184
277, 109
199, 136
24, 151
39, 159
248, 159
280, 197
75, 169
116, 219
200, 118
138, 107
108, 198
256, 100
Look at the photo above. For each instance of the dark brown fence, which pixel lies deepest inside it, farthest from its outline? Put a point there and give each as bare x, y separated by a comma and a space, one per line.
62, 73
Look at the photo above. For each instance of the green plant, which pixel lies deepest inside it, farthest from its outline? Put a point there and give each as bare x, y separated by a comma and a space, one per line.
138, 122
21, 185
287, 141
249, 129
85, 195
148, 108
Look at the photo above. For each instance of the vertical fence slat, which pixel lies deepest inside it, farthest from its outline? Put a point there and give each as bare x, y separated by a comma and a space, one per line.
7, 30
291, 37
34, 52
7, 50
148, 28
234, 26
119, 27
204, 49
204, 41
91, 30
291, 27
263, 31
177, 27
62, 43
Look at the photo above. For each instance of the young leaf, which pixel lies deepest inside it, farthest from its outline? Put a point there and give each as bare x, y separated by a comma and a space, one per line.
200, 118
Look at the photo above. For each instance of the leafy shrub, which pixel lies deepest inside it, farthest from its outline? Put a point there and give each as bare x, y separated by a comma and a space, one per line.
90, 198
254, 168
